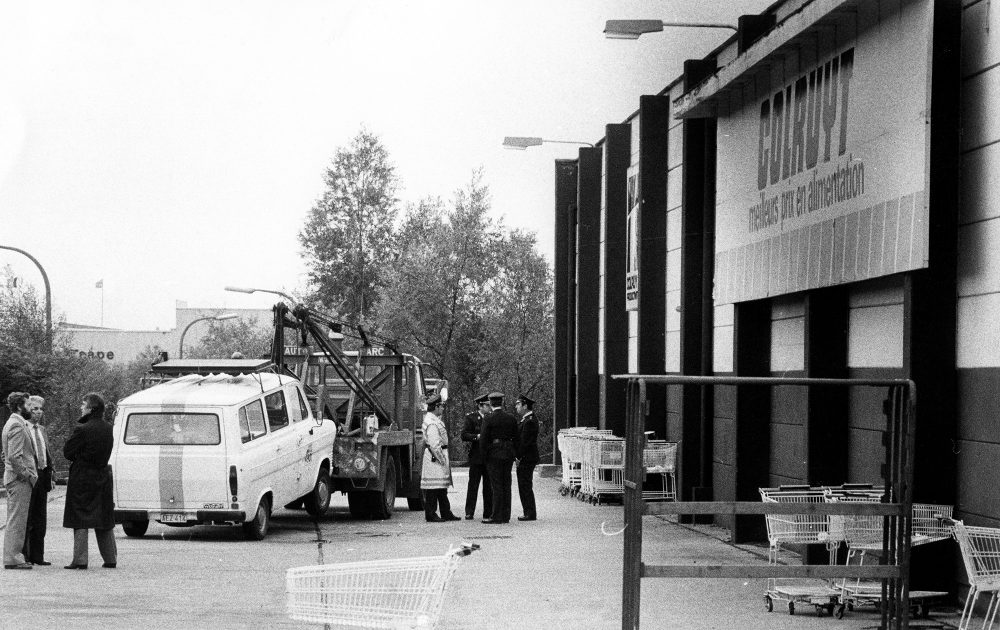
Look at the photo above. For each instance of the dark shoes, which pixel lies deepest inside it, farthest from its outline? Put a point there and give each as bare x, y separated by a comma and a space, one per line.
493, 521
434, 518
527, 518
75, 566
41, 563
23, 565
450, 517
109, 565
469, 517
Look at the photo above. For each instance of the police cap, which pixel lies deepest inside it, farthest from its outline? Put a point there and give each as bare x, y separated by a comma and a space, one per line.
482, 400
496, 398
524, 400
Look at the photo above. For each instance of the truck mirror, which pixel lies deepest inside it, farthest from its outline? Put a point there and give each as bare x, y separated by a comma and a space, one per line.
443, 391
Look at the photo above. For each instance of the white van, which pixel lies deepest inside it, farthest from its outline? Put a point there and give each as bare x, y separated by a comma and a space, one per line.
219, 449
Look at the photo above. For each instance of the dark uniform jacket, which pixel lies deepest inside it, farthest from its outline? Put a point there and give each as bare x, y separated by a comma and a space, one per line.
470, 433
527, 430
498, 439
89, 497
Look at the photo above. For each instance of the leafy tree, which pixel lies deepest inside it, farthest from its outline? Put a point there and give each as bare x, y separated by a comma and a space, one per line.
474, 300
348, 235
248, 337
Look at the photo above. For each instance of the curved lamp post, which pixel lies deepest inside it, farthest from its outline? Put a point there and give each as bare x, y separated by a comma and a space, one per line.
632, 29
520, 143
217, 318
48, 293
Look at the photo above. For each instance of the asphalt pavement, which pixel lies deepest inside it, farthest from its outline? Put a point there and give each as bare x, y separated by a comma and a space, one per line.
561, 571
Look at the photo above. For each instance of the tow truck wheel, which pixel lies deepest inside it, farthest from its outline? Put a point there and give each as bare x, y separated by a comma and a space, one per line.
384, 502
318, 500
257, 528
136, 529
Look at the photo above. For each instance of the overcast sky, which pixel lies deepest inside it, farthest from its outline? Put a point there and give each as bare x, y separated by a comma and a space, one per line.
173, 148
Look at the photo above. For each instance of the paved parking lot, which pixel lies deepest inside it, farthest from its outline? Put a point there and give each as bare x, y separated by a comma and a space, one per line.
562, 571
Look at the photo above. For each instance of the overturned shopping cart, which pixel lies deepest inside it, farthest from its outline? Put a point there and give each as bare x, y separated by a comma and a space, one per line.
397, 593
980, 548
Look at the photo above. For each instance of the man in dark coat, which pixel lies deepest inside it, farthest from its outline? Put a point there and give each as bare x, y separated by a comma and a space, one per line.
477, 463
498, 442
527, 455
89, 497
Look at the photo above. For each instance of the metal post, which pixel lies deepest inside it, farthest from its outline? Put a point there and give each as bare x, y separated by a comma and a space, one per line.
48, 294
180, 350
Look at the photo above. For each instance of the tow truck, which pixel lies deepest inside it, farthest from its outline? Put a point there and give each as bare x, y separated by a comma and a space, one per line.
375, 395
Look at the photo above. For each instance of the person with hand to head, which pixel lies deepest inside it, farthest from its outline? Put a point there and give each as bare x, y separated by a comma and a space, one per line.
527, 455
435, 472
20, 474
34, 540
477, 461
89, 498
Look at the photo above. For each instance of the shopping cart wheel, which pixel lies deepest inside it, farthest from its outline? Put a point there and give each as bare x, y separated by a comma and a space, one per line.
840, 611
768, 603
791, 608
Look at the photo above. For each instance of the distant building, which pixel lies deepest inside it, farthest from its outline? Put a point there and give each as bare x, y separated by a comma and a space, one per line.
121, 346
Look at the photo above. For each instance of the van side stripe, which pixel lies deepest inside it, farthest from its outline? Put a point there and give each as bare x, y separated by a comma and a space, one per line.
171, 474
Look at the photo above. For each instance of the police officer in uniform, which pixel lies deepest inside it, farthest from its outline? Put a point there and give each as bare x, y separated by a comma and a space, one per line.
527, 455
477, 462
498, 442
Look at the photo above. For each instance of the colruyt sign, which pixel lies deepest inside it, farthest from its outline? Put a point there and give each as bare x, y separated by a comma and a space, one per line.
822, 178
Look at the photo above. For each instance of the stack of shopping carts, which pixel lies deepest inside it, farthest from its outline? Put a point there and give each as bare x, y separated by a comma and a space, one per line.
571, 443
603, 470
795, 529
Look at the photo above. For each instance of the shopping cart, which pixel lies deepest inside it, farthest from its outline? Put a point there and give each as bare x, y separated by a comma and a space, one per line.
980, 548
785, 529
603, 468
399, 593
660, 460
863, 535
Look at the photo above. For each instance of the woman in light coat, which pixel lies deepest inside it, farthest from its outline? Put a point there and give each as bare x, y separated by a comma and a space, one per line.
435, 475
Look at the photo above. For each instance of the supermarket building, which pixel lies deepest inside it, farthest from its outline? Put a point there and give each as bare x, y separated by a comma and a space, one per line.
816, 197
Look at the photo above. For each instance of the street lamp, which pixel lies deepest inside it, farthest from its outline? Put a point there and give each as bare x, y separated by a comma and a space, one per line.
217, 318
249, 290
48, 293
632, 29
520, 143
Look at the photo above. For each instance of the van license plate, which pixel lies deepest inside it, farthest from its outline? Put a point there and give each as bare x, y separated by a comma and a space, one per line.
173, 518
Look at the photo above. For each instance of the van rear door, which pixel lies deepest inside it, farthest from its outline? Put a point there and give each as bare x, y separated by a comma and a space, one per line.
171, 460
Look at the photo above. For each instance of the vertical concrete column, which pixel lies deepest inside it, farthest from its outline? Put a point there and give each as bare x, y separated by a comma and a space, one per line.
697, 269
752, 357
588, 239
826, 333
565, 197
654, 120
617, 154
929, 304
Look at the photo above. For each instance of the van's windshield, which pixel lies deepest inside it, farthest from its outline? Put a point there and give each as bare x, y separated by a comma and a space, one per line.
172, 428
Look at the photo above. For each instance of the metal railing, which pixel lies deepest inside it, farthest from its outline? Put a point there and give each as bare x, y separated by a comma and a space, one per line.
897, 477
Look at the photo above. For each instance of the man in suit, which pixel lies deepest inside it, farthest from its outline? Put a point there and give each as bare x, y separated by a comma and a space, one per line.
19, 475
34, 541
498, 442
477, 462
527, 455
